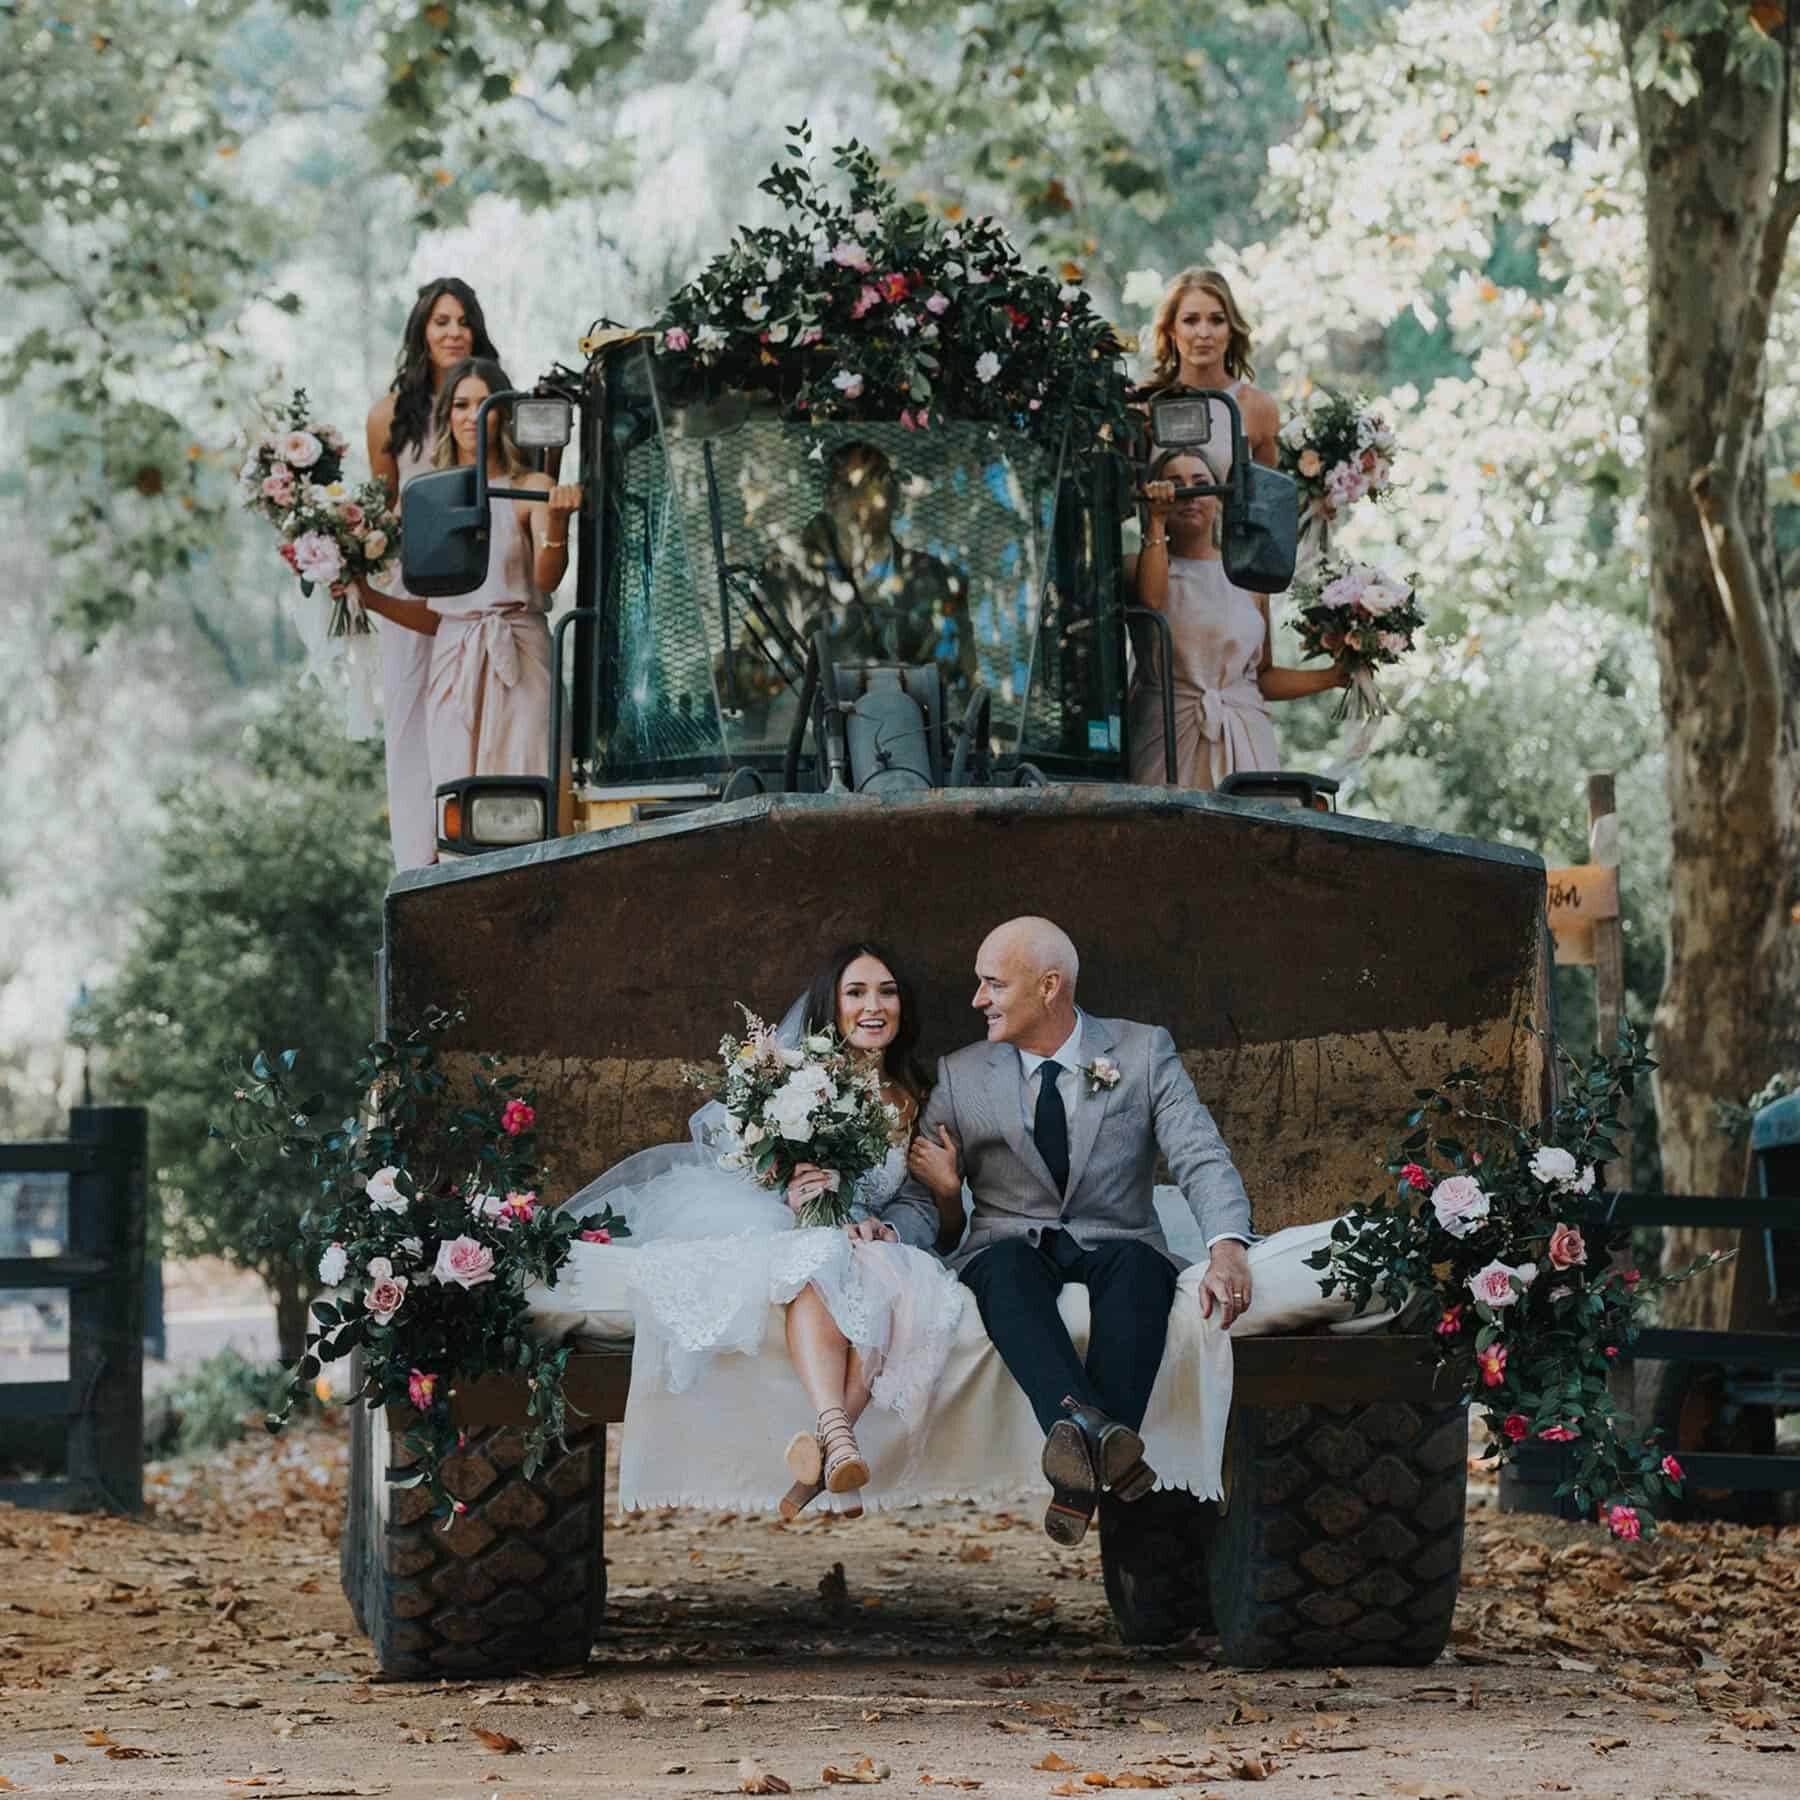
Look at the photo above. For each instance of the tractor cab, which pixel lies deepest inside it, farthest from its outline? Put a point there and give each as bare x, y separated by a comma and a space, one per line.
852, 606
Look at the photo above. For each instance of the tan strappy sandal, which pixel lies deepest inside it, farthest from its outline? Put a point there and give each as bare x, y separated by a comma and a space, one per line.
845, 1470
803, 1493
805, 1458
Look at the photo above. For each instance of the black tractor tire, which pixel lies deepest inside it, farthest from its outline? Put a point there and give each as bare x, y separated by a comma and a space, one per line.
355, 1545
517, 1582
1154, 1555
1341, 1533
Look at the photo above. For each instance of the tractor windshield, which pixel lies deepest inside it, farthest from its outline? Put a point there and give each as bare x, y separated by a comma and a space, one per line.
732, 538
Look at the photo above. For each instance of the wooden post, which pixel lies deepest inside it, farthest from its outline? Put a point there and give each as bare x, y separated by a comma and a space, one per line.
106, 1315
1609, 945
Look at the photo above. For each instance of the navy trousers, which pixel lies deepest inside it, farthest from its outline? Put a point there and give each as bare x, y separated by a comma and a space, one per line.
1130, 1290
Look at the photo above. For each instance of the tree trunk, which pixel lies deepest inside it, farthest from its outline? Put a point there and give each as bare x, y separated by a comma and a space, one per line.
1729, 1013
292, 1296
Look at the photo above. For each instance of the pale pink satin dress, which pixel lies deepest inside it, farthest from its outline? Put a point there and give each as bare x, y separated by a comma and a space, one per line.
405, 666
487, 702
1222, 722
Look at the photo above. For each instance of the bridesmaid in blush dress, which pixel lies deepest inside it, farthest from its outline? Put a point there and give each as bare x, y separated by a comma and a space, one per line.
445, 326
1223, 672
487, 691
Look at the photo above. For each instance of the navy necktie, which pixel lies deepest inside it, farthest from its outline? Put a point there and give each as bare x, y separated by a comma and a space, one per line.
1050, 1129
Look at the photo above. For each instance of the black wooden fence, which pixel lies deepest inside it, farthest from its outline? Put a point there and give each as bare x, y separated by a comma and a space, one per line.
102, 1268
1759, 1368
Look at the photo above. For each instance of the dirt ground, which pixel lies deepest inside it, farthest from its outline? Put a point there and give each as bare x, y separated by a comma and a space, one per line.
208, 1650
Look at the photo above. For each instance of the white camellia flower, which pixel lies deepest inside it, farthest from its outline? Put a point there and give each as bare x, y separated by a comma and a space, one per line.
383, 1189
847, 383
756, 308
772, 269
414, 1247
987, 366
334, 1264
864, 223
379, 1269
1554, 1167
819, 1042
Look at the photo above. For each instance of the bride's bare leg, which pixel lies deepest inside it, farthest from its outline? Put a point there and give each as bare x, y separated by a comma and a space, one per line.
819, 1352
832, 1375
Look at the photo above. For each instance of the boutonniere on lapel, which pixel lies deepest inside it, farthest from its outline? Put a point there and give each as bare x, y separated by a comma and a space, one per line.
1102, 1075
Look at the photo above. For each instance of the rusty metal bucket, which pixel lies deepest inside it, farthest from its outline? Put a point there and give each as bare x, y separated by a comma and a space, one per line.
1313, 969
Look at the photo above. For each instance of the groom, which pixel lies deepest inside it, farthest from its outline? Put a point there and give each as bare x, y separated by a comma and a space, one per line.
1059, 1117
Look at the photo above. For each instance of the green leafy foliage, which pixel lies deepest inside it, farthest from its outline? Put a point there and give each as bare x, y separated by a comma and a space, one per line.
261, 913
213, 1405
1498, 1225
425, 1225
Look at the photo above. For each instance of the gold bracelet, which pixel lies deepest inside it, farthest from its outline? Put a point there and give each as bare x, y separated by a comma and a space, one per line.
1151, 543
555, 543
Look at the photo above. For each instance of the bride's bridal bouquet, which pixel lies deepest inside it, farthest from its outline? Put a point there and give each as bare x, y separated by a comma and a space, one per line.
1338, 451
330, 534
812, 1101
1363, 617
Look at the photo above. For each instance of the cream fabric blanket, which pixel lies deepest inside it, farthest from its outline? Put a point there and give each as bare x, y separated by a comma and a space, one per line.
718, 1446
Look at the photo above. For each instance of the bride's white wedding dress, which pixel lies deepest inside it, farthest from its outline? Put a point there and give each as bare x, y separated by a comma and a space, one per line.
710, 1253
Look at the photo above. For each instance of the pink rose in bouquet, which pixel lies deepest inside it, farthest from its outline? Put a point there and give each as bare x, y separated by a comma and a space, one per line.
1566, 1247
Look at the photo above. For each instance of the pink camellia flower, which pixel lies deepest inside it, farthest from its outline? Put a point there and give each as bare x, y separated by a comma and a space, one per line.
866, 302
1630, 1277
318, 557
521, 1208
850, 255
1415, 1177
676, 339
517, 1116
279, 486
1451, 1323
421, 1389
1611, 1350
1559, 1434
385, 1298
1460, 1205
1492, 1364
1671, 1468
597, 1236
1622, 1521
1493, 1286
894, 288
464, 1262
937, 305
1567, 1249
1516, 1426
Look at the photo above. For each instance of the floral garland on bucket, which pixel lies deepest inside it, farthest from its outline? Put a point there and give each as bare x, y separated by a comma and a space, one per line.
1499, 1226
428, 1229
869, 309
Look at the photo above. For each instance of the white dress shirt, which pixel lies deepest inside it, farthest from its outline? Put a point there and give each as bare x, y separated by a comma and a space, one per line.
1068, 1084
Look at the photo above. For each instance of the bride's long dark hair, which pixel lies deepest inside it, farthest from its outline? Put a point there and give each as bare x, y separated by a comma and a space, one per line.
900, 1061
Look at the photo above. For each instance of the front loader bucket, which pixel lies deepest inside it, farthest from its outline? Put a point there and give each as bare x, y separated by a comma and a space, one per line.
1314, 970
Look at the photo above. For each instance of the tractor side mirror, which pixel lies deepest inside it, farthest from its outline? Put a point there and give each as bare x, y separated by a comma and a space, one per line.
443, 535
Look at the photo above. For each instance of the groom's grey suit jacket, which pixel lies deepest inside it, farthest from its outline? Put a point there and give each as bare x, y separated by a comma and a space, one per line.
1114, 1136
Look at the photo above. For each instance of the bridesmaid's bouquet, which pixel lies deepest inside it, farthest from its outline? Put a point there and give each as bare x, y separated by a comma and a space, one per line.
1338, 451
1362, 617
813, 1101
330, 534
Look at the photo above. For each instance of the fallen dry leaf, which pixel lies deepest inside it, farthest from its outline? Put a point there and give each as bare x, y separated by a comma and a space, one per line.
1251, 1768
1138, 1778
1055, 1764
1605, 1744
127, 1753
499, 1742
865, 1771
1245, 1714
753, 1778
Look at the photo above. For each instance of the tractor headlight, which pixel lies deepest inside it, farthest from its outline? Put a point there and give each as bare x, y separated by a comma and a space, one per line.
491, 812
541, 423
1181, 424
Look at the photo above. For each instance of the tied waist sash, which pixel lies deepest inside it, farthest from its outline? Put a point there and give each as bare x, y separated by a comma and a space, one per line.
1242, 695
484, 643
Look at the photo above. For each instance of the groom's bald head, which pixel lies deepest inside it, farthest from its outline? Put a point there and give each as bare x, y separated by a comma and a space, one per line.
1025, 973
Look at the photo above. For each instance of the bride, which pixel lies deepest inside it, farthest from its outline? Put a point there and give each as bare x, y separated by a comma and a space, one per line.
868, 1318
